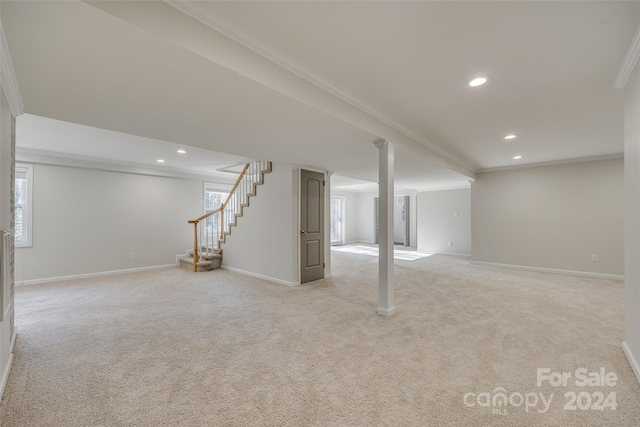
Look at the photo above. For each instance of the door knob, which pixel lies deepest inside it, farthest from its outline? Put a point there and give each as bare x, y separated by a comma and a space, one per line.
303, 232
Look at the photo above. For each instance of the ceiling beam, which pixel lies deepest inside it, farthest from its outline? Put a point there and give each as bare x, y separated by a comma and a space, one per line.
207, 41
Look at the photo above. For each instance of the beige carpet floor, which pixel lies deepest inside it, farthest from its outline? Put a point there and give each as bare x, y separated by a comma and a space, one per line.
174, 348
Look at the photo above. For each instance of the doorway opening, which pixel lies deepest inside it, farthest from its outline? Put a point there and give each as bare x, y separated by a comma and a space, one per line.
401, 220
337, 220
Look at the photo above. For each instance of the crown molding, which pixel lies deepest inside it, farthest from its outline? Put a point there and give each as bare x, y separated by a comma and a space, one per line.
8, 77
554, 163
51, 158
457, 187
629, 63
207, 17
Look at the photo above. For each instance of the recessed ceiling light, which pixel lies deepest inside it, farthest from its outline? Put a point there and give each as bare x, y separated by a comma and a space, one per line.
182, 152
478, 81
160, 161
517, 157
510, 136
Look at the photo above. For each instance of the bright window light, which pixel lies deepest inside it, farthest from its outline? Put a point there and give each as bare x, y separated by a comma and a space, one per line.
373, 251
23, 205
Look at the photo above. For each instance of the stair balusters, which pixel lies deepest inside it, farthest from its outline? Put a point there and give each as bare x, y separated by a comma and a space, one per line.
212, 229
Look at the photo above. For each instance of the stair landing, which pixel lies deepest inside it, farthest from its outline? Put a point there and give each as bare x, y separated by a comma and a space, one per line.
207, 262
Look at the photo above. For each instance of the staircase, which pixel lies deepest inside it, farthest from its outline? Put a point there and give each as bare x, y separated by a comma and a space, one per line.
212, 229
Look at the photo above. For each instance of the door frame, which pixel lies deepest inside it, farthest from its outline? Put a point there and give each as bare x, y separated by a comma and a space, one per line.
327, 212
411, 226
342, 220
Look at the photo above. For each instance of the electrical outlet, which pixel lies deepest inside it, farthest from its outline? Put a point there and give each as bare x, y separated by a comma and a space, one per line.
595, 258
132, 255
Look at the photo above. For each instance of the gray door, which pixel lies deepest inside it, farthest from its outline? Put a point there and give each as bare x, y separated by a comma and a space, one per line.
311, 226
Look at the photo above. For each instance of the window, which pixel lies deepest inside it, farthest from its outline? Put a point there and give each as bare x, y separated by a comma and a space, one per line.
213, 200
337, 225
214, 196
23, 197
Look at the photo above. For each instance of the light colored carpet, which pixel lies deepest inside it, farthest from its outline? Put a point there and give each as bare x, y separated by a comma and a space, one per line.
174, 348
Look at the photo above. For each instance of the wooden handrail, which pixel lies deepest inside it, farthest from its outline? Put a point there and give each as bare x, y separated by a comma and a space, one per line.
233, 190
223, 205
237, 205
205, 216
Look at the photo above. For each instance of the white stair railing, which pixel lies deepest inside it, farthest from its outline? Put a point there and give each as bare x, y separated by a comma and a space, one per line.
213, 228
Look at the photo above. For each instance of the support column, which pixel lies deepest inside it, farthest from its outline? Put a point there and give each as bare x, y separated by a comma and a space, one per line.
385, 217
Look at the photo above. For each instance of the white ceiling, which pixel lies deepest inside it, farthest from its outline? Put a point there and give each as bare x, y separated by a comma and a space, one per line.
551, 67
147, 69
43, 135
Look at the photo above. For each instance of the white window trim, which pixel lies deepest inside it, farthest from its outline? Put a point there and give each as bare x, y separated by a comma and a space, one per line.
27, 214
215, 187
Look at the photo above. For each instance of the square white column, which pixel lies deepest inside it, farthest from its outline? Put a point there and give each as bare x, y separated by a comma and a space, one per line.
385, 218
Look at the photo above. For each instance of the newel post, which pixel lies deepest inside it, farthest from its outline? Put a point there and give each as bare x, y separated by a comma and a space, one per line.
196, 256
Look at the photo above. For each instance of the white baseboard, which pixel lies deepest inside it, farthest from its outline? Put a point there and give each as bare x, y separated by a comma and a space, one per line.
386, 312
632, 360
259, 276
7, 369
5, 375
13, 339
447, 253
552, 270
89, 275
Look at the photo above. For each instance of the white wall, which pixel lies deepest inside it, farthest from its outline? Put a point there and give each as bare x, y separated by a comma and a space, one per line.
553, 217
632, 220
438, 224
6, 161
265, 241
89, 221
366, 232
366, 217
350, 214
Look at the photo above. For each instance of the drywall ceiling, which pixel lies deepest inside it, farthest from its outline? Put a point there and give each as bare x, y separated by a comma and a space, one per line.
76, 63
37, 134
44, 136
551, 66
394, 69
